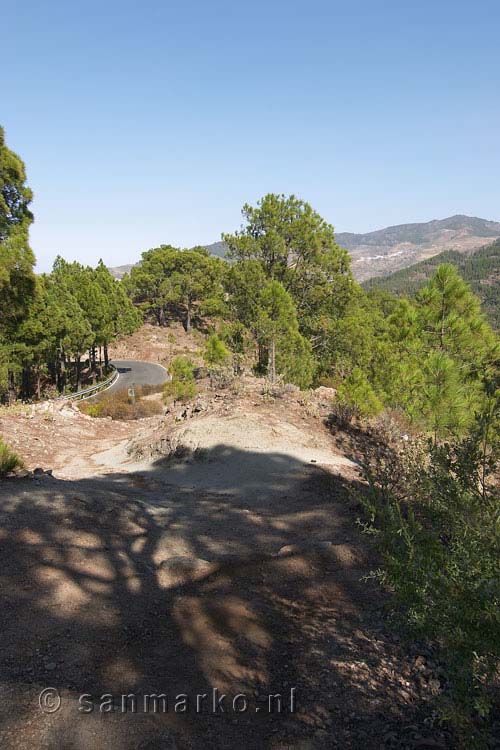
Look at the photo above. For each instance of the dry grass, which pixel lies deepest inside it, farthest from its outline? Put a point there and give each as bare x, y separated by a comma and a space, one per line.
118, 405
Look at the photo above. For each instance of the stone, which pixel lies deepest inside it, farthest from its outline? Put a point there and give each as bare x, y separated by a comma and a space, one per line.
288, 549
325, 393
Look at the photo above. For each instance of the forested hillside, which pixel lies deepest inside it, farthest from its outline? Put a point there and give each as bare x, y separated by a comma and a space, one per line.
388, 250
480, 269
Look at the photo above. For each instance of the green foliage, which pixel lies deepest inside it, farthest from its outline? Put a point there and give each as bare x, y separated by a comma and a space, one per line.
288, 352
8, 459
434, 509
182, 387
179, 283
182, 368
480, 269
294, 359
444, 399
17, 280
75, 311
216, 354
356, 398
296, 247
287, 299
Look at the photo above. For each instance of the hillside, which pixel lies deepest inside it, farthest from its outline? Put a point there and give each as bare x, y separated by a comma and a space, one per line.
480, 269
119, 271
387, 250
216, 249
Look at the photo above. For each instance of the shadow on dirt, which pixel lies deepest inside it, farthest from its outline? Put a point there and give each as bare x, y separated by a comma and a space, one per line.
133, 583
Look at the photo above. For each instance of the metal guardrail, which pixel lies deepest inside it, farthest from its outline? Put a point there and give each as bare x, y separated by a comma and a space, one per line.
88, 392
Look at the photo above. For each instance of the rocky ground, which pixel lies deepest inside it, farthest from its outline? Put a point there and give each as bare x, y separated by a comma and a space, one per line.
213, 548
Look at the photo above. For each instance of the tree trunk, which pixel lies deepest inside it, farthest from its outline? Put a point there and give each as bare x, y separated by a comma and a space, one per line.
11, 387
100, 362
93, 369
188, 318
38, 384
272, 361
260, 358
106, 357
78, 372
92, 361
26, 379
62, 374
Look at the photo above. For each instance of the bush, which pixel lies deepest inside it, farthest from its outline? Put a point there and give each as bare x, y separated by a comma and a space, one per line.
216, 354
8, 459
434, 509
356, 398
118, 405
182, 387
182, 368
180, 390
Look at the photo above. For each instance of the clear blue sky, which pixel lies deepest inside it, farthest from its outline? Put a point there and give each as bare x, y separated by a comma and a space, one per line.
153, 122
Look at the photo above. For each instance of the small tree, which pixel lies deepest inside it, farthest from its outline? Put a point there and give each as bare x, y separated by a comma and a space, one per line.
216, 353
356, 398
182, 386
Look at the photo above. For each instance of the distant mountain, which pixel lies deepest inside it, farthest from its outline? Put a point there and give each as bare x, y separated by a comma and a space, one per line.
481, 269
217, 249
387, 250
119, 271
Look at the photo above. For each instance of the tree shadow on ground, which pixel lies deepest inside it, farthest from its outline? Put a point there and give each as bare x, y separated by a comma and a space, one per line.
169, 581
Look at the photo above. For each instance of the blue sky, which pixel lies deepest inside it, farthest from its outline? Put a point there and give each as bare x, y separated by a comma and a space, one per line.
153, 122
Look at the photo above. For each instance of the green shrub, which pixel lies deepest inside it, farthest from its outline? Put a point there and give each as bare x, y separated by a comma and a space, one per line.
182, 368
8, 459
180, 390
356, 398
182, 387
216, 353
434, 510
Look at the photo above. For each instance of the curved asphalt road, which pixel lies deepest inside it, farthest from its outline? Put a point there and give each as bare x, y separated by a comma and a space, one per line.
137, 373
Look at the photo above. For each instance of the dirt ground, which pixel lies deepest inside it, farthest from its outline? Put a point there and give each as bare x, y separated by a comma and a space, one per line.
212, 549
153, 344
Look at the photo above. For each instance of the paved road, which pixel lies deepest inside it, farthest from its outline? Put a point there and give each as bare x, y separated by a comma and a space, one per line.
137, 373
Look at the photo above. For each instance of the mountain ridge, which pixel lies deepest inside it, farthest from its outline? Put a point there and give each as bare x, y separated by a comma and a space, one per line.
481, 269
383, 251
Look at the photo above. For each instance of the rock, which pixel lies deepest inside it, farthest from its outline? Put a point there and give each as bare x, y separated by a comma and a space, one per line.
199, 405
38, 472
435, 686
288, 549
24, 474
325, 393
291, 388
182, 563
419, 663
50, 666
200, 373
324, 546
